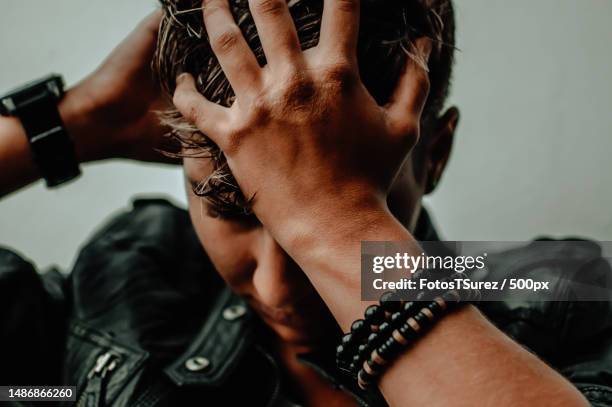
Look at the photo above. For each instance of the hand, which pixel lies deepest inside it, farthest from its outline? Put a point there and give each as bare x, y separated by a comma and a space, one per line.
304, 138
111, 113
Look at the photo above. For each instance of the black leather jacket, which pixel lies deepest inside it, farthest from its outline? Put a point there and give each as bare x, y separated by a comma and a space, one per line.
144, 320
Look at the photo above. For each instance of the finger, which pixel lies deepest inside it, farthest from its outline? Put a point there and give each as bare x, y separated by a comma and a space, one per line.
207, 116
233, 53
276, 31
406, 104
340, 28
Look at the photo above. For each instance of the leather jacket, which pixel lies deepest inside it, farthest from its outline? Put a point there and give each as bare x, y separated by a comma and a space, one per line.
143, 319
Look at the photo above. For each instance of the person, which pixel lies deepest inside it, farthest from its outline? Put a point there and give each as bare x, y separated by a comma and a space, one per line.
292, 157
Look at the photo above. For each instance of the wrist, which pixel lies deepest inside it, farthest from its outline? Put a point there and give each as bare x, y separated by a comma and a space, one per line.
328, 249
90, 132
331, 222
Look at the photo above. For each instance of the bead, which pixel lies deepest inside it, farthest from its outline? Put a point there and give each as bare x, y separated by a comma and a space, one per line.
390, 302
347, 340
422, 320
384, 329
368, 369
364, 379
399, 337
377, 358
359, 329
396, 318
371, 367
364, 350
451, 297
375, 315
390, 349
435, 308
341, 352
408, 332
414, 325
372, 338
427, 312
408, 306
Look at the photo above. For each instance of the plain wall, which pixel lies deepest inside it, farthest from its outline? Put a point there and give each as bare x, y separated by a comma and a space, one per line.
532, 151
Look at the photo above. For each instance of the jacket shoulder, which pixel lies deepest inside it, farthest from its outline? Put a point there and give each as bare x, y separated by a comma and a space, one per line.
144, 278
574, 336
33, 314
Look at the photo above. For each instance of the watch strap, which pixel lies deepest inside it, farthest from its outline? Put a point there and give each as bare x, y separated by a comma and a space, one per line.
52, 148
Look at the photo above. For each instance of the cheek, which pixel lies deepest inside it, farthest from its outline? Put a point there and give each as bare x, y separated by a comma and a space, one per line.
229, 250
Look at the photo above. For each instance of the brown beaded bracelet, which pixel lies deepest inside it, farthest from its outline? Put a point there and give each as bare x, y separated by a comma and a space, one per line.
409, 332
388, 328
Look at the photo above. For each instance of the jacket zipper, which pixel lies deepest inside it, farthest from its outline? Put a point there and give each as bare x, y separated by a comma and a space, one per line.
97, 380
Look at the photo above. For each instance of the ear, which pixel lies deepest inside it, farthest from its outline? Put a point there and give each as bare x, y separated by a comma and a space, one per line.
439, 147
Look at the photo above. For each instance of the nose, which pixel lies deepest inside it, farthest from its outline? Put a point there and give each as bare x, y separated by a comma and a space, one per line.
276, 275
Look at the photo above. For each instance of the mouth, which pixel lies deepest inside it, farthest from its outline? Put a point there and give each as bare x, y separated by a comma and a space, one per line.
288, 315
296, 314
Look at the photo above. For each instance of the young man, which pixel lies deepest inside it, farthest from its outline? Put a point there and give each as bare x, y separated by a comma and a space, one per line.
299, 161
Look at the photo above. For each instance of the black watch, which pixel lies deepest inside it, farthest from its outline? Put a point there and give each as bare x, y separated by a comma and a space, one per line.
35, 104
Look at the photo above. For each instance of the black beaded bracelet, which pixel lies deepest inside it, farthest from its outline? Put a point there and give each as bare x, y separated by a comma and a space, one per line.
391, 326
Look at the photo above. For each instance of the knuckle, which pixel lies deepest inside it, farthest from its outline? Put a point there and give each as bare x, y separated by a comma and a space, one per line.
226, 40
339, 77
258, 113
232, 142
408, 130
192, 114
270, 7
299, 90
182, 101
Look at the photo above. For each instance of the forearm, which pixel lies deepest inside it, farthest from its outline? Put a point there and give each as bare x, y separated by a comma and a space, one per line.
17, 168
464, 360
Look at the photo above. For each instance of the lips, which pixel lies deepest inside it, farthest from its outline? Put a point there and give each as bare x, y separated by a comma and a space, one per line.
288, 316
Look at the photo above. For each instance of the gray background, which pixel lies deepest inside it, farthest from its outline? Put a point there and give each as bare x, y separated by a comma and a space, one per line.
531, 155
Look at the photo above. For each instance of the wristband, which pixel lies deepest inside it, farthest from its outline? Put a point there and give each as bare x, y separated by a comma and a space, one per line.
35, 105
391, 327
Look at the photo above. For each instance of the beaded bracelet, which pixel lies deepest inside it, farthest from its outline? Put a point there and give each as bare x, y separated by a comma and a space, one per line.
390, 327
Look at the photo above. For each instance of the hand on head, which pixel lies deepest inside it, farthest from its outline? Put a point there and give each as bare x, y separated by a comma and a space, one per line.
303, 133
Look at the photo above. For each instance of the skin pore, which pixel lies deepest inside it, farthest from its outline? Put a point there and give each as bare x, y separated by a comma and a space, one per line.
318, 157
254, 265
324, 170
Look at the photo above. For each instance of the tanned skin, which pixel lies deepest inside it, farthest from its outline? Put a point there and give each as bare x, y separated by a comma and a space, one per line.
324, 164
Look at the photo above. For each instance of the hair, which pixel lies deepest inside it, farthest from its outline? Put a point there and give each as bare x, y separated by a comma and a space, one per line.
388, 30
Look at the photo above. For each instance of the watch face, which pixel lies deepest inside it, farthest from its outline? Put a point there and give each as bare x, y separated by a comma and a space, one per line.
13, 100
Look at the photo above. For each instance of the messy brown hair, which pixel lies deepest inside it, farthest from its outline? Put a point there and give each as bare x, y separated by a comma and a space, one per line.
387, 33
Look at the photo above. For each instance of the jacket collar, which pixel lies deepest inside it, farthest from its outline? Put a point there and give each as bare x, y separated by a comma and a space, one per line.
219, 346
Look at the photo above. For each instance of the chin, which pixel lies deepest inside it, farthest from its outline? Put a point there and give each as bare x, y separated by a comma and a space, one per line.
310, 327
307, 336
